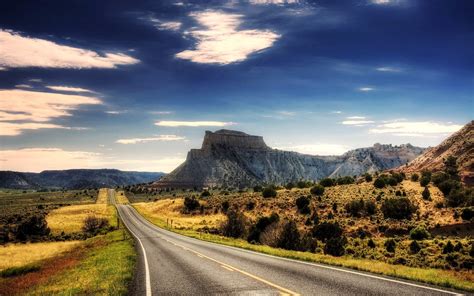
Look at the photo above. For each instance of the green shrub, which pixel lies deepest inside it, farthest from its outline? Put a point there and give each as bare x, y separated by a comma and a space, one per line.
426, 194
235, 224
327, 182
439, 177
397, 208
32, 226
94, 225
371, 244
269, 192
379, 183
225, 206
317, 190
205, 193
191, 203
335, 246
415, 177
302, 203
257, 188
414, 247
424, 181
448, 248
419, 233
327, 230
390, 245
290, 186
368, 177
355, 207
290, 237
345, 180
467, 214
448, 185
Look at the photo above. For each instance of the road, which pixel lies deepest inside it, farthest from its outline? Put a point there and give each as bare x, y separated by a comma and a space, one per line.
172, 264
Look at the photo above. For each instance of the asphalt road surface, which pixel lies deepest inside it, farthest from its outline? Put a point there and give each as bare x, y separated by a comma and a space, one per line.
172, 264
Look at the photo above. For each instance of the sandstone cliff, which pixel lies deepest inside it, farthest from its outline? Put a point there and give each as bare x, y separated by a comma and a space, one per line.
235, 159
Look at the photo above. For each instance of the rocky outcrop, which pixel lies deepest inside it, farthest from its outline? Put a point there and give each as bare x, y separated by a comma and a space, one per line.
235, 159
459, 145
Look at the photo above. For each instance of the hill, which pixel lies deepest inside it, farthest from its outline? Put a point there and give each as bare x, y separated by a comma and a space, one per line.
74, 179
459, 145
235, 159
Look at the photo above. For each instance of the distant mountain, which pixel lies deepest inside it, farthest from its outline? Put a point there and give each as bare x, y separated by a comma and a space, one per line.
459, 145
235, 159
74, 179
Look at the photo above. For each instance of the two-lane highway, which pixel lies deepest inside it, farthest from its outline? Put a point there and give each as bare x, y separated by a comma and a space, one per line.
174, 264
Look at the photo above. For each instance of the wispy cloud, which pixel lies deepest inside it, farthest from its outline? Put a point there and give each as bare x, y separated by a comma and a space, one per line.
317, 149
415, 128
388, 69
193, 123
69, 88
219, 40
336, 112
116, 112
23, 86
160, 138
161, 112
286, 113
17, 51
277, 2
165, 25
366, 89
35, 108
356, 117
357, 121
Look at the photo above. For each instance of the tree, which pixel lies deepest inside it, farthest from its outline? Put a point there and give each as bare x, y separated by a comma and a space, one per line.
34, 225
451, 167
335, 246
326, 230
191, 203
317, 190
290, 237
424, 181
302, 203
419, 233
379, 183
390, 245
415, 177
467, 214
426, 194
269, 192
397, 208
235, 224
327, 182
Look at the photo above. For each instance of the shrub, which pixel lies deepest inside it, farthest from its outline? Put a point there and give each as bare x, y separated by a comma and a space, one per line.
94, 225
302, 203
32, 226
424, 181
205, 193
315, 218
451, 167
327, 230
370, 207
317, 190
397, 208
260, 226
250, 205
414, 247
467, 214
355, 207
335, 246
303, 184
414, 177
392, 181
426, 194
271, 235
460, 197
379, 183
390, 245
448, 248
225, 206
368, 177
257, 188
345, 180
235, 224
289, 237
371, 244
191, 203
439, 177
290, 186
327, 182
269, 192
419, 233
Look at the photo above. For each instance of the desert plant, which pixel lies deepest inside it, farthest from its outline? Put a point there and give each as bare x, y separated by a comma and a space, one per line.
368, 177
448, 248
327, 182
93, 225
32, 226
317, 190
414, 247
191, 203
257, 188
467, 214
235, 225
426, 194
302, 203
355, 207
335, 246
289, 237
269, 192
205, 193
379, 183
371, 244
415, 177
390, 245
397, 208
419, 233
424, 181
439, 177
327, 230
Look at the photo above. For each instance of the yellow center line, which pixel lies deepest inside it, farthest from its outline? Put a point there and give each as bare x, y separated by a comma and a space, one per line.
225, 267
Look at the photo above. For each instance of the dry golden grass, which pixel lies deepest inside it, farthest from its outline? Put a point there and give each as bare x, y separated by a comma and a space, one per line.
171, 209
103, 196
70, 219
121, 197
16, 255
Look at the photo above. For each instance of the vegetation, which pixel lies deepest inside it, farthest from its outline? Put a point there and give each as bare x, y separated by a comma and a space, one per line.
397, 208
269, 192
93, 225
317, 190
191, 203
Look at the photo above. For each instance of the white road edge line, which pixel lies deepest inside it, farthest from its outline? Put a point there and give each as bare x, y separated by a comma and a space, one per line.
313, 264
147, 269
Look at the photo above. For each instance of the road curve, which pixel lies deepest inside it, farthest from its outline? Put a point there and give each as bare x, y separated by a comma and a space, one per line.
173, 264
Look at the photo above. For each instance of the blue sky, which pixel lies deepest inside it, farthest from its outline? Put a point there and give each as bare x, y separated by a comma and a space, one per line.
134, 84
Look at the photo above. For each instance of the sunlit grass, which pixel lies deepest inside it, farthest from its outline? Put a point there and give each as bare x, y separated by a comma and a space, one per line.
121, 197
103, 196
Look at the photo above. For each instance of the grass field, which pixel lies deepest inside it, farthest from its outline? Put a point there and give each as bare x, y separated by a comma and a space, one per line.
102, 265
16, 255
103, 196
121, 197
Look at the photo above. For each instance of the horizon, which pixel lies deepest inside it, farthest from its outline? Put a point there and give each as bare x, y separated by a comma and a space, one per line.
136, 85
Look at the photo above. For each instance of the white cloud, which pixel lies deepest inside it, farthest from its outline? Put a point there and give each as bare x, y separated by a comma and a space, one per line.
36, 80
3, 69
23, 86
69, 88
317, 149
36, 108
336, 112
357, 122
160, 138
220, 41
116, 112
380, 2
388, 69
287, 113
366, 89
161, 112
17, 51
415, 128
356, 117
192, 123
277, 2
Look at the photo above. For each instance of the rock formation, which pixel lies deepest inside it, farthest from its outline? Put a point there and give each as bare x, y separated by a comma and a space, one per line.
234, 159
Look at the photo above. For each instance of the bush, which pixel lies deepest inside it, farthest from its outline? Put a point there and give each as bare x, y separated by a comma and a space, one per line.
426, 195
390, 245
257, 188
205, 193
327, 230
467, 214
414, 247
460, 197
327, 182
335, 246
448, 248
302, 203
368, 177
370, 207
439, 177
345, 180
419, 233
303, 184
32, 226
379, 183
191, 203
424, 181
225, 206
93, 225
289, 237
397, 208
290, 186
260, 226
269, 192
235, 224
355, 208
414, 177
371, 244
317, 190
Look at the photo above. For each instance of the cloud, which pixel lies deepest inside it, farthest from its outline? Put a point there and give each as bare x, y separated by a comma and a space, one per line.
36, 80
161, 112
287, 113
357, 122
380, 2
192, 123
23, 86
220, 41
388, 69
3, 69
415, 128
160, 138
116, 112
336, 112
69, 88
277, 2
366, 89
17, 51
36, 109
317, 149
356, 117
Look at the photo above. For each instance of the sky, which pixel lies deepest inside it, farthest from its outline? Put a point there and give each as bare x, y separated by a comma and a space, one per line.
134, 85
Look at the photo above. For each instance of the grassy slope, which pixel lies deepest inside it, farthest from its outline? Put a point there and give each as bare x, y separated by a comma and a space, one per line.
458, 280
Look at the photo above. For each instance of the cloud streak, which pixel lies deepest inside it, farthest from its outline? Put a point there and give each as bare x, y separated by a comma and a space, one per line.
160, 138
169, 123
17, 51
219, 40
68, 88
415, 128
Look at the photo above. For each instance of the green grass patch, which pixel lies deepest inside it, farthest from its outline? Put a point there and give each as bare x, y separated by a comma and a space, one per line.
444, 278
16, 271
106, 269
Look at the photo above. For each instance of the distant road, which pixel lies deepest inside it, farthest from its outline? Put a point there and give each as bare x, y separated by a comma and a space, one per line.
172, 264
